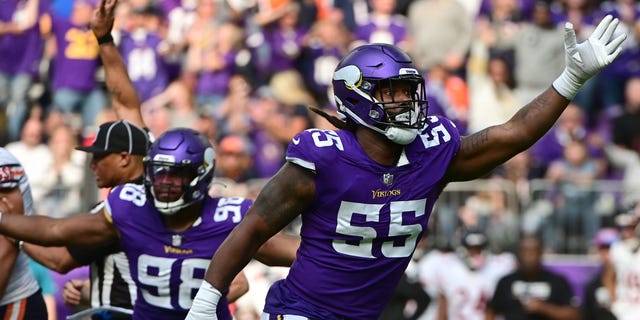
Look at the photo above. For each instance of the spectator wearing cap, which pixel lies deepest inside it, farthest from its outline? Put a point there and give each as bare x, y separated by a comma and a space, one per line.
75, 90
117, 152
597, 300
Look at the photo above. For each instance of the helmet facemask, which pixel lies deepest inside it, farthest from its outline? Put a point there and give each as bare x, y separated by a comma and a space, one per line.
172, 185
401, 119
178, 170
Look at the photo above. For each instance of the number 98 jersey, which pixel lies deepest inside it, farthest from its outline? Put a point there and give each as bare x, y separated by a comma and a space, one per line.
168, 266
363, 228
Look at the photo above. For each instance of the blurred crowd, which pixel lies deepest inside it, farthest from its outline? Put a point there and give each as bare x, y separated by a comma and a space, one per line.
244, 72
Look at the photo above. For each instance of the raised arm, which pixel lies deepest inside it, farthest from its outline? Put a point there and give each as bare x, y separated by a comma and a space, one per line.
481, 152
286, 195
124, 97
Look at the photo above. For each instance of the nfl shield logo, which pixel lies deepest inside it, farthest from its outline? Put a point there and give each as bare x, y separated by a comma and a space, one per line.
387, 178
176, 240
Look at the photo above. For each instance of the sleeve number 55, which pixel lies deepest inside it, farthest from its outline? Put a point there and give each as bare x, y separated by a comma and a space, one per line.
364, 247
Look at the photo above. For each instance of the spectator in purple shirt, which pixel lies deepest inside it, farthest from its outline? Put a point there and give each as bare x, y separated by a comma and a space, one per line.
74, 66
21, 49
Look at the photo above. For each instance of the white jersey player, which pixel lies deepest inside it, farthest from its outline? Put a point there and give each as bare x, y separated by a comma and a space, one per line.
469, 278
623, 278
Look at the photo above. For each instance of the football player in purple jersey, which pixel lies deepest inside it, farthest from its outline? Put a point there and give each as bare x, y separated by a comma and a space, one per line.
365, 192
168, 228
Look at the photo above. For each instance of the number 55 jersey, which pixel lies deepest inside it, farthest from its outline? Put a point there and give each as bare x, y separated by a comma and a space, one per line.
364, 224
168, 266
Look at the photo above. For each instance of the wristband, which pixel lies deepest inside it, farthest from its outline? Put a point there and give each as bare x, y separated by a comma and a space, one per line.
205, 303
107, 38
20, 244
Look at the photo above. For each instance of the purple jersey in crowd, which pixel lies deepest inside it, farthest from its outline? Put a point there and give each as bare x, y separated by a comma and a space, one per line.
285, 47
20, 53
146, 67
76, 61
380, 30
365, 222
322, 63
217, 82
168, 266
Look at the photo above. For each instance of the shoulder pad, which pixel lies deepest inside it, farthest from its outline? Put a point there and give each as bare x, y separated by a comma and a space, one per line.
439, 131
313, 146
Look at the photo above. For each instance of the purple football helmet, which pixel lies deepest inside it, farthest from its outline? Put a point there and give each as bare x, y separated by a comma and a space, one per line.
183, 154
373, 67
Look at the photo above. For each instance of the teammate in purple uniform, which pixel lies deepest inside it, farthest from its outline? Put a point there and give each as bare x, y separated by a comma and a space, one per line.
365, 192
168, 228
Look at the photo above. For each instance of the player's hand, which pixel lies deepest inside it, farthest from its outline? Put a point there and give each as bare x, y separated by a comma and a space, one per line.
586, 59
7, 207
72, 292
534, 305
103, 17
205, 303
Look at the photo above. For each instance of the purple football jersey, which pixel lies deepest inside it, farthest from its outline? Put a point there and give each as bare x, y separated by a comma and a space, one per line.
392, 30
217, 82
286, 47
147, 69
168, 266
366, 219
77, 58
21, 53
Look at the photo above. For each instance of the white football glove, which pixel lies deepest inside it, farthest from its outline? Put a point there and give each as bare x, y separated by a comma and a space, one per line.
586, 59
205, 303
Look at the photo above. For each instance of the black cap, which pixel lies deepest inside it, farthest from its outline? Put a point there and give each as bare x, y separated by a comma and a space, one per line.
119, 136
474, 239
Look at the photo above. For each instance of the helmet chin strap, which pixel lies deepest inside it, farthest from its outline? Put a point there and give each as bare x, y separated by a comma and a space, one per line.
169, 208
398, 135
401, 136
